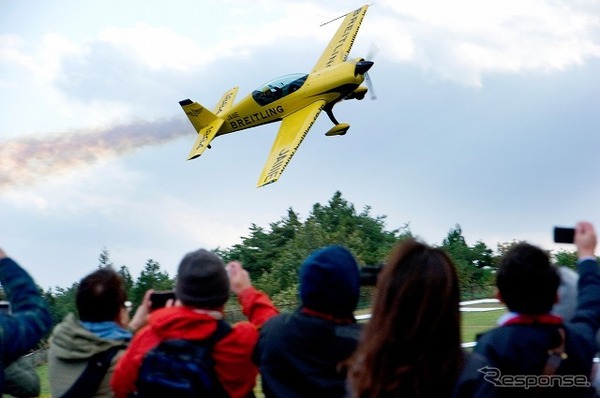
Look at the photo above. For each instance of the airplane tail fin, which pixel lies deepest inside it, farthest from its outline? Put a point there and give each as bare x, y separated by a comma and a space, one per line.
206, 123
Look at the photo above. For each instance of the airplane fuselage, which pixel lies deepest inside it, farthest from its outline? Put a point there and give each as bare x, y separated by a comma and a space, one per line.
332, 84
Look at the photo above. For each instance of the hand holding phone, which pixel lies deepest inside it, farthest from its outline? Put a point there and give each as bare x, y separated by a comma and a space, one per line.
159, 299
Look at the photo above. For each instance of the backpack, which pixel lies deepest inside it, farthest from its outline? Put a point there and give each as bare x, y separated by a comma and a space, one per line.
182, 368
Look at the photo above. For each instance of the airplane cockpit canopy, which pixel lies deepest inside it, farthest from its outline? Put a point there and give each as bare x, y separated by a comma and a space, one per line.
278, 88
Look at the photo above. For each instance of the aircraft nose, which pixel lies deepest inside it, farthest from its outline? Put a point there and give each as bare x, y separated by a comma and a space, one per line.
362, 67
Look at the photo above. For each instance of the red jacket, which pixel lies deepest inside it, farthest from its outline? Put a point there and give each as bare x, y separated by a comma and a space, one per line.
232, 354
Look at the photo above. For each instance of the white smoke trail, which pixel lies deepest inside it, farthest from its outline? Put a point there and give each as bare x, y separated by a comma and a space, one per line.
25, 160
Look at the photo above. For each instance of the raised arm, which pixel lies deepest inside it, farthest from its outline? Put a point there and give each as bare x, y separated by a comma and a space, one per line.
256, 305
588, 298
30, 318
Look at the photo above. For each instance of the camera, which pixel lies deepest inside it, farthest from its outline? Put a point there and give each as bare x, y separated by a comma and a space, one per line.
564, 235
159, 299
368, 274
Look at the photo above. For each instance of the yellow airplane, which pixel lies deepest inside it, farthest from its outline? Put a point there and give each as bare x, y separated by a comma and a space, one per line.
296, 100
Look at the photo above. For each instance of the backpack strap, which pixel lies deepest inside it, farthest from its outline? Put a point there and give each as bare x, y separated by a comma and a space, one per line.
89, 381
223, 329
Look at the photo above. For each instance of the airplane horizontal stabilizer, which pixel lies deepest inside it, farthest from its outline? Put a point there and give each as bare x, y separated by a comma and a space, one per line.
226, 101
206, 123
205, 136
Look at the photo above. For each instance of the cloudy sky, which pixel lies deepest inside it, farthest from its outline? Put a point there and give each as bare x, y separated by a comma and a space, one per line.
486, 116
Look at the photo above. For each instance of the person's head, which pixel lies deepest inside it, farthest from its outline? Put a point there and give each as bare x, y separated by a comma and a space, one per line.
330, 282
202, 281
411, 344
527, 282
101, 296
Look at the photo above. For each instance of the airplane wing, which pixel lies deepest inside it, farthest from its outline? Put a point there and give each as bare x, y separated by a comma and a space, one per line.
339, 47
293, 129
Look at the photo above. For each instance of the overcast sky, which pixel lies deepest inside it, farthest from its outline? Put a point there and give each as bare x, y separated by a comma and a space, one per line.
487, 116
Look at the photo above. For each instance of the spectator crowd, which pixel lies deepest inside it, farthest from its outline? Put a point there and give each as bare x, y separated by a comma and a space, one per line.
544, 346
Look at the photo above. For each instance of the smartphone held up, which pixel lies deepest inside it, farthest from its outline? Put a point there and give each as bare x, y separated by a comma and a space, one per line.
564, 235
159, 299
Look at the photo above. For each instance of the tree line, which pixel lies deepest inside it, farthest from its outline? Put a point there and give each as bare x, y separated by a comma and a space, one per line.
273, 255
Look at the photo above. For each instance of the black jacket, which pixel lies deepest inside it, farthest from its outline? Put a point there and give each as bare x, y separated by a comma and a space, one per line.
299, 356
522, 350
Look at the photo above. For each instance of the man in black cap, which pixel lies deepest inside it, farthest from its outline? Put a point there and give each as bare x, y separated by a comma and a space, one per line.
300, 354
202, 288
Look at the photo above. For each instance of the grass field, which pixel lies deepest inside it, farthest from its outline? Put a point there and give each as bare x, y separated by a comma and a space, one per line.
473, 323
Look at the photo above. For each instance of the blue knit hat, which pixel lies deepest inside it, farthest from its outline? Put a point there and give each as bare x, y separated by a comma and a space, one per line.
330, 282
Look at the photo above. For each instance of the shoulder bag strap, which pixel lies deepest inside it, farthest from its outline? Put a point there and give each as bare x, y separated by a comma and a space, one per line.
89, 381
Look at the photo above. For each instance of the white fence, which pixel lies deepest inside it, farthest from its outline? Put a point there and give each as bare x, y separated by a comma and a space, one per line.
463, 308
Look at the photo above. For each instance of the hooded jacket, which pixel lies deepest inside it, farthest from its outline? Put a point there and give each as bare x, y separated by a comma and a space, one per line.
71, 346
232, 354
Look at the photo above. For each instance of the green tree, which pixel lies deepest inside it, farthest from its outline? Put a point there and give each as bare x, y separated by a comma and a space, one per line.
61, 301
335, 223
473, 264
567, 258
151, 277
104, 258
251, 252
504, 247
284, 272
482, 256
258, 250
127, 280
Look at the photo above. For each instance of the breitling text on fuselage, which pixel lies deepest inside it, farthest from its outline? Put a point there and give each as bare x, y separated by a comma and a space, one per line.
237, 121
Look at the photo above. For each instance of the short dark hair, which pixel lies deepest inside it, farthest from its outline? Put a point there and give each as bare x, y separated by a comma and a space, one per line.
527, 281
100, 296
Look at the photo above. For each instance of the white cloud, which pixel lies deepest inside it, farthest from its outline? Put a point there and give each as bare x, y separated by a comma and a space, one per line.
465, 40
41, 63
156, 47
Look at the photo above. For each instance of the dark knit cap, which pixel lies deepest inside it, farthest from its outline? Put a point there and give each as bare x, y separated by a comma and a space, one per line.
202, 281
330, 282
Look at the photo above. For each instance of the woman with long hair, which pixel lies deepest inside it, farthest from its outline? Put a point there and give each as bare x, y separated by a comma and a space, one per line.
411, 346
